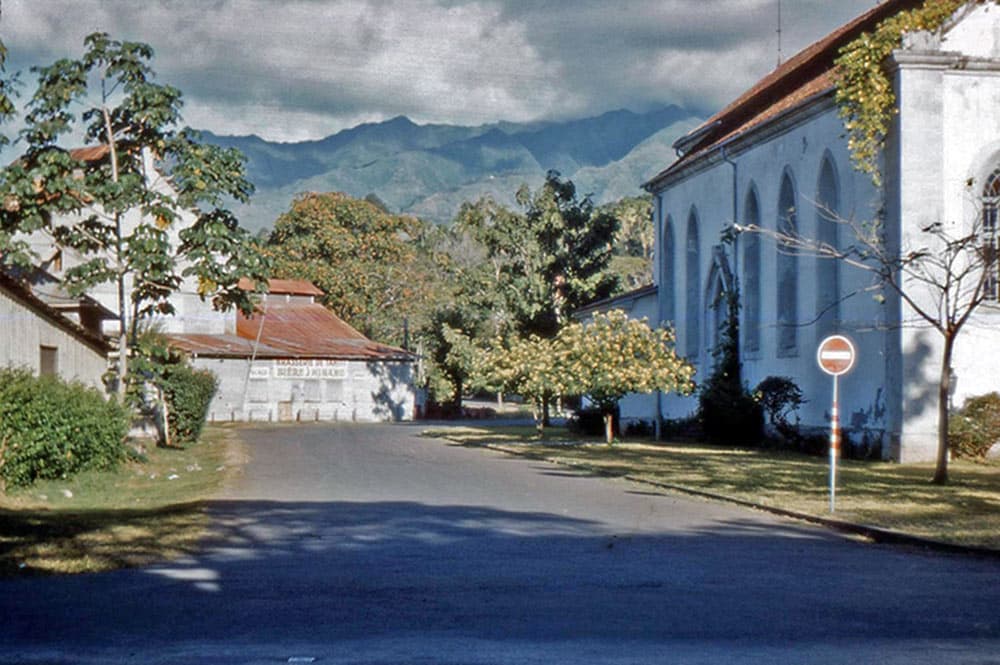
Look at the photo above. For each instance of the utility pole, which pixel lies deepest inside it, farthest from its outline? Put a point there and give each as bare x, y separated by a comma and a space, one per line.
779, 33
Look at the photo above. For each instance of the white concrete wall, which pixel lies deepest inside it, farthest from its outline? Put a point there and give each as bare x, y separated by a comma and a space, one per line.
947, 132
277, 390
798, 147
947, 136
25, 332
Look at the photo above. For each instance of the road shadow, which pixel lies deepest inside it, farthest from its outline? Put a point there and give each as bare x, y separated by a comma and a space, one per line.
303, 571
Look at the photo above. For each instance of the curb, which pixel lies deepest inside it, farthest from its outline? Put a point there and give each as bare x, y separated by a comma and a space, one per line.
873, 533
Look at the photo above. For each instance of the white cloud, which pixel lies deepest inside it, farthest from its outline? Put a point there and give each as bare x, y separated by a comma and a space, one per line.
306, 68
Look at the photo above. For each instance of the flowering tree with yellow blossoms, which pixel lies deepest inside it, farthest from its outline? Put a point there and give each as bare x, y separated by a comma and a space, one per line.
612, 355
526, 366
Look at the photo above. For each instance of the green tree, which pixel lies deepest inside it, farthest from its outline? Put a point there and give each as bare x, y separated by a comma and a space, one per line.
612, 356
125, 208
633, 245
549, 260
365, 259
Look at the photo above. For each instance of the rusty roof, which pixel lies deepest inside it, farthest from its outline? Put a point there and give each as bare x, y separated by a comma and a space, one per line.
295, 287
800, 78
94, 153
290, 330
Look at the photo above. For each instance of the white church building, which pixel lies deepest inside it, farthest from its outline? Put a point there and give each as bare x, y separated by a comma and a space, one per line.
778, 155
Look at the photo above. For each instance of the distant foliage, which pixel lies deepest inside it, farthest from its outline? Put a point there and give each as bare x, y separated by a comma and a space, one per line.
976, 427
52, 429
363, 258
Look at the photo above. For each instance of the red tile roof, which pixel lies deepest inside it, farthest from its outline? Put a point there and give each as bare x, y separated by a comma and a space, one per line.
807, 74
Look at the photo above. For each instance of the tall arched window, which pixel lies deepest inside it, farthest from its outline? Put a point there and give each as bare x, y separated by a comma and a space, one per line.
787, 263
751, 275
991, 231
827, 269
692, 286
667, 273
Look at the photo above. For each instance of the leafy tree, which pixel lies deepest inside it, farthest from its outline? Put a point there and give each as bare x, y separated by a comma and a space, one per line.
124, 208
548, 261
452, 354
613, 355
365, 259
633, 245
527, 366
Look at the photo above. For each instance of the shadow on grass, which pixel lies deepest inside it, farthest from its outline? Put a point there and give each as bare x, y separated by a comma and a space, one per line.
43, 542
967, 511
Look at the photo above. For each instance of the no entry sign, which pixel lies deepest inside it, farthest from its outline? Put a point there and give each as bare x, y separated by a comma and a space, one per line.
836, 355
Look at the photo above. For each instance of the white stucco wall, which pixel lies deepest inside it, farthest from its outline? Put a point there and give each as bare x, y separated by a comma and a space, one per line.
947, 132
798, 147
308, 390
946, 141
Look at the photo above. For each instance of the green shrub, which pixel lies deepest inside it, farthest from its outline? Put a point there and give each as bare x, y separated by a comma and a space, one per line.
780, 397
975, 428
53, 429
188, 393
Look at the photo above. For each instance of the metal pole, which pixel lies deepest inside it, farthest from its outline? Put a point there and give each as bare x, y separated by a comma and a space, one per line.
834, 443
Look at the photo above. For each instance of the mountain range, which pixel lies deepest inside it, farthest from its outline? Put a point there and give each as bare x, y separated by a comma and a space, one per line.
430, 170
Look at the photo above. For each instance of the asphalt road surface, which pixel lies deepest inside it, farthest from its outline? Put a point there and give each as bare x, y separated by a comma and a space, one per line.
370, 545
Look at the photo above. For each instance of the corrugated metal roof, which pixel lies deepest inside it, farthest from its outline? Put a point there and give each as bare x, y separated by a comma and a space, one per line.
295, 287
290, 330
807, 74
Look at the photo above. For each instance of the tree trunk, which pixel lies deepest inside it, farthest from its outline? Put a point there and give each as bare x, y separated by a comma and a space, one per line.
546, 420
609, 428
944, 389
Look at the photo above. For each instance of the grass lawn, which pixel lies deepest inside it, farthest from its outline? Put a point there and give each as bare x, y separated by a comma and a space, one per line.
893, 496
105, 520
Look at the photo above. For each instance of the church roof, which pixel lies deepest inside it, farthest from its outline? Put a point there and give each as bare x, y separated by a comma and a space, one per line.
804, 76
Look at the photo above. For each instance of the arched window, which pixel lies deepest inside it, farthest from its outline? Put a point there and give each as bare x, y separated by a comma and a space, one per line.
787, 263
667, 276
991, 231
827, 269
751, 275
692, 285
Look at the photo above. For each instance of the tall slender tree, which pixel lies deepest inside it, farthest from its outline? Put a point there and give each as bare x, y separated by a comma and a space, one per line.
144, 208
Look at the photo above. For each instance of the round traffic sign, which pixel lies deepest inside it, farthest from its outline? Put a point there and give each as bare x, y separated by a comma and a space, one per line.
836, 355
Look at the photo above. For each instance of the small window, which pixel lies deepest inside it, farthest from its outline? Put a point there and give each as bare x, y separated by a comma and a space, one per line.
257, 390
991, 227
48, 361
335, 390
312, 390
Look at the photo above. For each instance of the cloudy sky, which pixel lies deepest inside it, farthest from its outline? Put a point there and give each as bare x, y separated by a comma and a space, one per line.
299, 69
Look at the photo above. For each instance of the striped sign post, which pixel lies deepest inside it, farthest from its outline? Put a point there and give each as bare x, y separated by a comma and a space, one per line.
836, 356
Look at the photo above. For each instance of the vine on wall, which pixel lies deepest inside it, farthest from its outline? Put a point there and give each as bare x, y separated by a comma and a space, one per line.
863, 88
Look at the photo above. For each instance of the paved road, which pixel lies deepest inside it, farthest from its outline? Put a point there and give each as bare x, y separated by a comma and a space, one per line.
369, 545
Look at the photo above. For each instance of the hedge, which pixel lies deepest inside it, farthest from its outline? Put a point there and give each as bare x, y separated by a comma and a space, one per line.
188, 393
53, 429
976, 427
